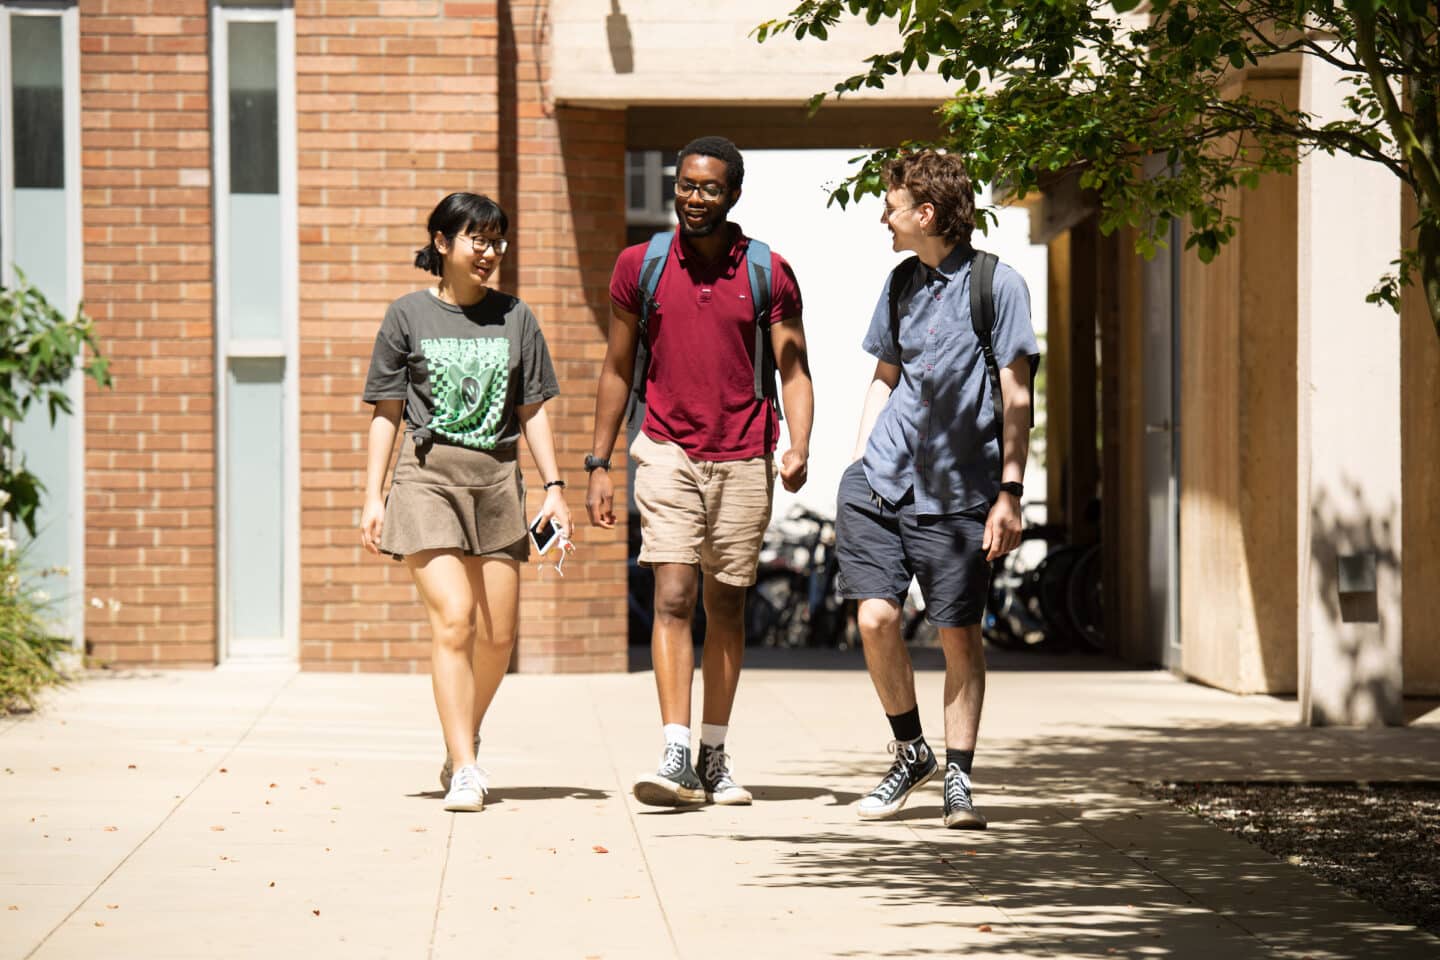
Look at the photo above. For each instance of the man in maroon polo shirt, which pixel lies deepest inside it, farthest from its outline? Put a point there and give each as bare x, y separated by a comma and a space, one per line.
704, 468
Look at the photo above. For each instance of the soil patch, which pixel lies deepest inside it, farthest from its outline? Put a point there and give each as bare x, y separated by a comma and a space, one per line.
1380, 841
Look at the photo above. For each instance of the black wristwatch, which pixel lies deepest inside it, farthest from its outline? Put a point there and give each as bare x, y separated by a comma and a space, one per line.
593, 462
1014, 488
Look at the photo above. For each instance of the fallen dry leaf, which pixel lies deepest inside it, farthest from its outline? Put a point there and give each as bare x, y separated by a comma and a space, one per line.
217, 828
223, 770
272, 883
12, 907
418, 829
112, 906
316, 912
111, 829
599, 849
317, 781
99, 923
984, 928
130, 766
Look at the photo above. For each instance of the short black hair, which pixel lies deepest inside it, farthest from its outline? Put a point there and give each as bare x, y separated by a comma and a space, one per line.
720, 149
455, 214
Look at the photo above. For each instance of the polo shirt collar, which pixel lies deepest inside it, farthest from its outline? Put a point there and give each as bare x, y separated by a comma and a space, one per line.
731, 260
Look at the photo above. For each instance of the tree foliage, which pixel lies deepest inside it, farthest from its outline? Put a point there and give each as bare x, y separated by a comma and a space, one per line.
39, 350
1045, 87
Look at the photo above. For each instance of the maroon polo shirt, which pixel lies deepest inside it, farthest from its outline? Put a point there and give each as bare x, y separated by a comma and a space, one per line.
700, 392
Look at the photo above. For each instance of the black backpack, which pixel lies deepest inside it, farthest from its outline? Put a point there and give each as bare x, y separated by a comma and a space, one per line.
982, 319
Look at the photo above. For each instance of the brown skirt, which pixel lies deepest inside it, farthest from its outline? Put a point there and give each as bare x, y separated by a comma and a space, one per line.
448, 497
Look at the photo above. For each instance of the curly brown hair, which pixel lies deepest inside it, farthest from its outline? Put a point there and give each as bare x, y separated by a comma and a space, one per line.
939, 179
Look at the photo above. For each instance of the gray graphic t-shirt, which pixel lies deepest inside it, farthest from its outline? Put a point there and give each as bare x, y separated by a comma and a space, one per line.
461, 371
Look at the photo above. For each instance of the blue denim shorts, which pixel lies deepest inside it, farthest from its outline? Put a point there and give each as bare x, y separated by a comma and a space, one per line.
881, 546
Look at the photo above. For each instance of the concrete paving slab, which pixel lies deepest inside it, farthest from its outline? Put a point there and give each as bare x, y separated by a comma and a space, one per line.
246, 814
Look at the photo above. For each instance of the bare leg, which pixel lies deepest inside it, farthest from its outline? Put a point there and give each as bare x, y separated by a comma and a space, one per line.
495, 584
671, 645
441, 577
964, 684
724, 648
886, 656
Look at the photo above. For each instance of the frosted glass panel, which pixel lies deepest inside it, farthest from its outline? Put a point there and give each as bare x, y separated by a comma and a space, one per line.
255, 267
40, 241
255, 498
37, 102
254, 109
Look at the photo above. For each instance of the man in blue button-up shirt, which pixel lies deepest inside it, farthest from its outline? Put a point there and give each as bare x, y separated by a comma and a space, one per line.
932, 493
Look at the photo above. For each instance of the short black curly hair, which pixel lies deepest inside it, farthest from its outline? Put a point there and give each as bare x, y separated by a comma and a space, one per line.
721, 149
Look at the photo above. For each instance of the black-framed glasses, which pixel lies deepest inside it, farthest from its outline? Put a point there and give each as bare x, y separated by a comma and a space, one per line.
710, 191
480, 244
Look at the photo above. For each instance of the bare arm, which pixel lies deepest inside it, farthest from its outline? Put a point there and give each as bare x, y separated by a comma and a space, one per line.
882, 383
611, 393
535, 424
384, 425
1015, 394
1003, 525
797, 392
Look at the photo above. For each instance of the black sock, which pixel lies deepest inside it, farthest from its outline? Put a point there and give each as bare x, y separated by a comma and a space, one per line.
905, 726
964, 759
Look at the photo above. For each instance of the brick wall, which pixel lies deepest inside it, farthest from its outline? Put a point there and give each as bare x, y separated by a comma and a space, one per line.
399, 104
396, 107
149, 451
570, 167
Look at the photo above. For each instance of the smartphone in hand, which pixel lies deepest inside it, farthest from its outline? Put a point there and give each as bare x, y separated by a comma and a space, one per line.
543, 535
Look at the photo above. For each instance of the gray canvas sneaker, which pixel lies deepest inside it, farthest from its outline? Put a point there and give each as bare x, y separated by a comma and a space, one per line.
674, 783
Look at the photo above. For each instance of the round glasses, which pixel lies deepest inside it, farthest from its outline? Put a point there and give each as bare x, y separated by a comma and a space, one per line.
479, 244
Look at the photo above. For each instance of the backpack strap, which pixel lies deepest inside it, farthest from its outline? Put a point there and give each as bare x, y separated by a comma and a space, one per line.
757, 256
900, 283
651, 267
982, 319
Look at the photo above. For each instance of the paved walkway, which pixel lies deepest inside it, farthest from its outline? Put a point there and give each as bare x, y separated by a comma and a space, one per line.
250, 814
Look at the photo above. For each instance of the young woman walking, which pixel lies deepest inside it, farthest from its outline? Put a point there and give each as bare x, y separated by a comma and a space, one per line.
468, 369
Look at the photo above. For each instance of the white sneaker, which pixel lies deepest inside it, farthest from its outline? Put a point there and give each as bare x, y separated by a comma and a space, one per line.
467, 790
448, 770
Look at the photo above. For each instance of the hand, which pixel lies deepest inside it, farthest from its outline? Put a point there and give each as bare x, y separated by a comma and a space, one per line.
600, 499
555, 510
794, 468
372, 521
1002, 527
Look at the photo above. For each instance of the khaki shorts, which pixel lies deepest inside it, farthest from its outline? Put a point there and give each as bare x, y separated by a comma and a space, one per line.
696, 511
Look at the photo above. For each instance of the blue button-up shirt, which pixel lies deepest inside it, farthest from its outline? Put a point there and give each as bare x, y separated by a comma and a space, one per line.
936, 434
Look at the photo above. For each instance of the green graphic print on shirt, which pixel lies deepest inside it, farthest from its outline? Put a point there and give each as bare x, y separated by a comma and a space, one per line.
469, 379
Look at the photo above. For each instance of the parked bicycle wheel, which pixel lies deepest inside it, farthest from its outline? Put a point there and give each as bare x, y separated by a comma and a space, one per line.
1051, 584
1084, 599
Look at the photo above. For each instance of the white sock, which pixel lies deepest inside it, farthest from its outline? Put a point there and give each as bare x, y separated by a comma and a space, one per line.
677, 733
713, 734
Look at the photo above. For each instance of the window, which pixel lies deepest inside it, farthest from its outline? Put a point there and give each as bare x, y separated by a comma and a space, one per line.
40, 235
649, 193
257, 341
